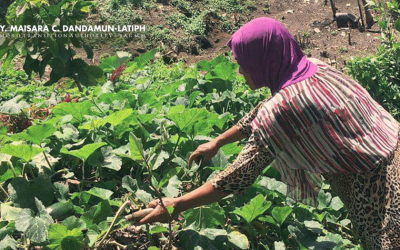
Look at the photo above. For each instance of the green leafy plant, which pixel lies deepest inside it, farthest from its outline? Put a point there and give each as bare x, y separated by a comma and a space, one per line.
387, 16
52, 49
125, 143
378, 73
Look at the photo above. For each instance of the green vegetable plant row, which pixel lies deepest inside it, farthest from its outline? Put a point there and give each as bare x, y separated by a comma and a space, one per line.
64, 177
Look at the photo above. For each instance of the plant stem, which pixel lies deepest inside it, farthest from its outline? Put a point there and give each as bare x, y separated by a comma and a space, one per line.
78, 84
159, 196
173, 152
59, 171
48, 162
83, 177
95, 104
12, 169
200, 162
4, 191
119, 212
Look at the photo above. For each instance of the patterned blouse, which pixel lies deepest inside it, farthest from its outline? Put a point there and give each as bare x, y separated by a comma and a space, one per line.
327, 123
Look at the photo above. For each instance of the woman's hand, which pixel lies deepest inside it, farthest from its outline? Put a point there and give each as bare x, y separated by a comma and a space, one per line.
206, 150
159, 214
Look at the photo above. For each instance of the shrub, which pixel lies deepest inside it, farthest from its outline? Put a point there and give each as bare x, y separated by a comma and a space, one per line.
379, 74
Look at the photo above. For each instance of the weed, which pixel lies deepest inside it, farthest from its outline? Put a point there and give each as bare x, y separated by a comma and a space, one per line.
177, 20
303, 39
250, 4
196, 26
183, 6
229, 6
267, 8
119, 12
160, 33
343, 50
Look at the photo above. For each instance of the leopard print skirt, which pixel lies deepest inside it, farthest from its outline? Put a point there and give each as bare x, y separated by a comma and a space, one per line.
372, 200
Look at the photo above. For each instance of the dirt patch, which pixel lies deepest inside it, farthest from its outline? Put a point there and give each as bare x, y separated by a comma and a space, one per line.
307, 19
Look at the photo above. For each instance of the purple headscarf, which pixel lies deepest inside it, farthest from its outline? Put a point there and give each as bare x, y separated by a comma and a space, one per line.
267, 51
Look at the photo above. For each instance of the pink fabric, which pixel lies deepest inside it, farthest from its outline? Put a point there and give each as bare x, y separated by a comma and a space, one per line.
327, 123
267, 51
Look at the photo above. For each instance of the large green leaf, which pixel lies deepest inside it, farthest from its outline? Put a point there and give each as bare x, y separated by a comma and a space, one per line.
106, 159
102, 193
238, 240
61, 191
194, 121
21, 193
77, 110
336, 203
159, 160
207, 239
34, 227
324, 199
301, 233
43, 189
136, 148
14, 106
87, 75
84, 6
203, 217
219, 160
223, 70
118, 117
97, 213
133, 186
69, 132
281, 213
60, 238
36, 134
231, 148
171, 173
8, 213
272, 184
313, 225
172, 189
10, 56
22, 151
256, 207
111, 63
129, 184
84, 152
6, 228
8, 243
74, 223
145, 58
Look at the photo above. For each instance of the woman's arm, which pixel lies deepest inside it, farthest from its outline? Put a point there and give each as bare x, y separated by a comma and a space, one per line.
231, 135
236, 178
242, 129
204, 195
209, 149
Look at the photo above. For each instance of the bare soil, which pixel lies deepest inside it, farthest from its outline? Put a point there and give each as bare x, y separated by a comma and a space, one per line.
306, 17
311, 20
